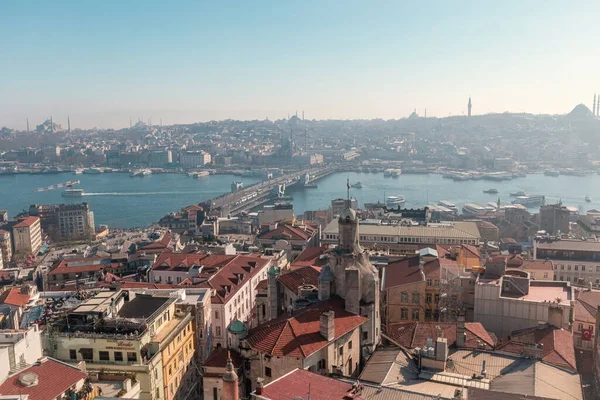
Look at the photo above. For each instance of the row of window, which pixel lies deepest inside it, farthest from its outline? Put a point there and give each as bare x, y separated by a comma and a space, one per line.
416, 297
568, 279
576, 267
88, 355
395, 239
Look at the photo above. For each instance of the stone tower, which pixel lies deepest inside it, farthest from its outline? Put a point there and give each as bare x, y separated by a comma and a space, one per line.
349, 274
273, 293
230, 381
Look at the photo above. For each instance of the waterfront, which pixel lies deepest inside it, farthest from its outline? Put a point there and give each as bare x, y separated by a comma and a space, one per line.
121, 201
117, 199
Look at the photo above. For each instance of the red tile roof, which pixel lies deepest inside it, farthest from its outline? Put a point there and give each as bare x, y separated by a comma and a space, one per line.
557, 345
3, 232
310, 256
301, 276
586, 306
471, 249
144, 285
184, 261
407, 271
299, 335
234, 274
162, 243
54, 378
415, 334
26, 222
78, 265
297, 382
262, 285
289, 232
14, 297
218, 358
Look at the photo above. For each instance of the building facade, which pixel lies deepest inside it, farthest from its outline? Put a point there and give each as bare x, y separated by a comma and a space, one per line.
27, 235
576, 261
194, 159
5, 246
75, 221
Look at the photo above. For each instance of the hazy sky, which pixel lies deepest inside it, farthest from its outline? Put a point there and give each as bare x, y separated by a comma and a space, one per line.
103, 61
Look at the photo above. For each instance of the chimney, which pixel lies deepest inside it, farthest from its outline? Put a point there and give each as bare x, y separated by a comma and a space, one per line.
461, 334
259, 386
328, 325
441, 349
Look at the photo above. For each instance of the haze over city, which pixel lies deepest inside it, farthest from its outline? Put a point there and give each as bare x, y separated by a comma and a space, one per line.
101, 63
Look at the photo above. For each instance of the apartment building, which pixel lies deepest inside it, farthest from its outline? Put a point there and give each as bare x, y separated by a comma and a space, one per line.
27, 235
75, 221
194, 159
5, 247
576, 261
125, 332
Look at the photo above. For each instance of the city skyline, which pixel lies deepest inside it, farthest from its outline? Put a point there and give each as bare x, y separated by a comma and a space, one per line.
102, 64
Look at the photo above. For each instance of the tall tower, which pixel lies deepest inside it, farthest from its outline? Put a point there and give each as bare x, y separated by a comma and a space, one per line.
230, 381
27, 124
594, 107
469, 106
69, 124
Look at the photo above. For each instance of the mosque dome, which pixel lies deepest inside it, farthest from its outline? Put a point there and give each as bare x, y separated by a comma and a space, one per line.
237, 327
580, 111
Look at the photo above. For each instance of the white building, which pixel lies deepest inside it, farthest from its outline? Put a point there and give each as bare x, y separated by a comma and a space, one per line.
19, 349
194, 159
576, 261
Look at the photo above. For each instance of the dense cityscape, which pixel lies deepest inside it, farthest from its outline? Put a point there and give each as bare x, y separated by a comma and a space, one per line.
237, 296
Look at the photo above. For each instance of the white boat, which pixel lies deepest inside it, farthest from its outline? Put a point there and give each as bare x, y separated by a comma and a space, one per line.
357, 185
388, 172
588, 198
394, 201
93, 171
528, 201
70, 192
200, 174
448, 205
146, 172
396, 173
78, 171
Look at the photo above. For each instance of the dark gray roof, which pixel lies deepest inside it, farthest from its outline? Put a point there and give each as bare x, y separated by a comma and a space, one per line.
142, 306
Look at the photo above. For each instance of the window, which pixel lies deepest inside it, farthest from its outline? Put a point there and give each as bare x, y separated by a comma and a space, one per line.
428, 314
365, 336
597, 268
216, 314
568, 279
583, 267
350, 345
415, 298
268, 372
429, 282
562, 267
415, 314
579, 327
436, 283
404, 297
568, 267
215, 394
437, 298
341, 351
322, 364
87, 354
104, 356
562, 278
428, 298
576, 267
404, 313
218, 331
73, 354
131, 356
591, 328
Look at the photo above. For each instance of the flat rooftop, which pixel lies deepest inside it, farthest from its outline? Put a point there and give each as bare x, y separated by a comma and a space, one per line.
142, 306
458, 229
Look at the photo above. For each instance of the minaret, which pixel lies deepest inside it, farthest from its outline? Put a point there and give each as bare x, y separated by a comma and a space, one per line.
469, 106
69, 124
594, 108
51, 125
230, 381
27, 124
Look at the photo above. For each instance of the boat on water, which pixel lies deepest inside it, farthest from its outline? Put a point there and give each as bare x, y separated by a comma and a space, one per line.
388, 172
588, 198
394, 201
93, 171
529, 201
78, 171
448, 205
140, 172
357, 185
71, 192
551, 172
491, 191
396, 173
200, 174
518, 194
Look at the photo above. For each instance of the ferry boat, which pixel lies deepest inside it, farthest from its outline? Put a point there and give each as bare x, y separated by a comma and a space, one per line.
388, 172
518, 194
357, 185
396, 173
71, 192
200, 174
551, 172
531, 200
472, 209
588, 198
78, 171
448, 205
394, 201
491, 191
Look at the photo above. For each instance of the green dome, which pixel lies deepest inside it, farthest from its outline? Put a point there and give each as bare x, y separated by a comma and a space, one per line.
237, 327
273, 270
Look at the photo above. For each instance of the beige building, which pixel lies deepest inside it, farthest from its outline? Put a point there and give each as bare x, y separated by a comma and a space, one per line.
129, 333
27, 235
576, 261
513, 301
75, 221
5, 247
453, 233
